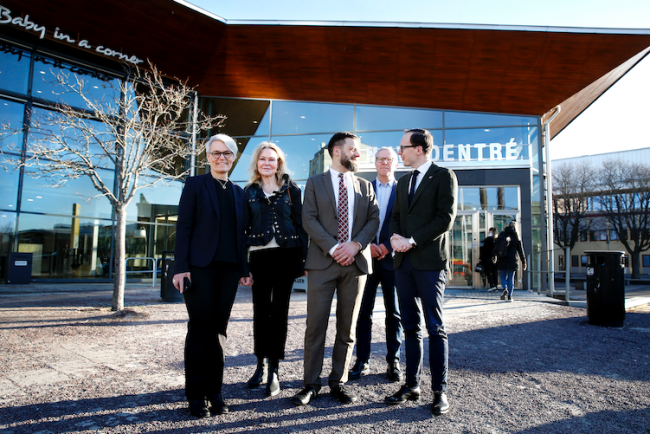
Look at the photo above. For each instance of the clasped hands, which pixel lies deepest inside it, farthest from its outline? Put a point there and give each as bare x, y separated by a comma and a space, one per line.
378, 251
400, 244
345, 253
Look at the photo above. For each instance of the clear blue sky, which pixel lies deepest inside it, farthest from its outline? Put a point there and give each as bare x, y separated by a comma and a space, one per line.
611, 123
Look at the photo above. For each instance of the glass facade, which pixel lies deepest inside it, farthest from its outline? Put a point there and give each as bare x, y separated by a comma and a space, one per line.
70, 229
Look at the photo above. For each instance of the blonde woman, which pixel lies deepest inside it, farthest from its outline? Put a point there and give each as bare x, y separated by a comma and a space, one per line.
278, 247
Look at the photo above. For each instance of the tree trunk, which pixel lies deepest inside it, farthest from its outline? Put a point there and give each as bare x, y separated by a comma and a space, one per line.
636, 265
120, 256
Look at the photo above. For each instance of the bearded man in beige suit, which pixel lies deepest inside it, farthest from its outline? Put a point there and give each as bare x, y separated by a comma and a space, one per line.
341, 216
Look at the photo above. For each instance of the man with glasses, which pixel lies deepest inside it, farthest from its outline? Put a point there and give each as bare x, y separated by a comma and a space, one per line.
341, 216
382, 272
423, 215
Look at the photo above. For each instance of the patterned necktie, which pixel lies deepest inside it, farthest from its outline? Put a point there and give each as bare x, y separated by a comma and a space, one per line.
343, 210
414, 180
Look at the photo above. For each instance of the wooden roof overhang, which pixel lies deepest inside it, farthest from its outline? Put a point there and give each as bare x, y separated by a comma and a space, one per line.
505, 69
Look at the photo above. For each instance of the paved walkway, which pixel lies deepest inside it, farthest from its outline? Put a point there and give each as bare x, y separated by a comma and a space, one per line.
68, 364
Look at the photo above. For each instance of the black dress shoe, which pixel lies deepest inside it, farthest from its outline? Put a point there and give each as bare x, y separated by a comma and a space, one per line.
217, 404
440, 404
394, 373
198, 408
304, 397
359, 369
343, 394
405, 393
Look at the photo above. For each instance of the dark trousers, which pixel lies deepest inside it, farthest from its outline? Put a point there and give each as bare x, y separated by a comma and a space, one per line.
492, 275
209, 302
393, 319
422, 292
272, 282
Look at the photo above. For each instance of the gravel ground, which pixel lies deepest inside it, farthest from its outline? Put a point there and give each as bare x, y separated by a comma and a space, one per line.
68, 364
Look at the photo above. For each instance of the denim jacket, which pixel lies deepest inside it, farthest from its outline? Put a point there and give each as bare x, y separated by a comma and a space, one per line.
265, 217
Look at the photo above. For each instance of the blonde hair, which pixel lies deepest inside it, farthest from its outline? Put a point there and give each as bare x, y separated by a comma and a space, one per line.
282, 169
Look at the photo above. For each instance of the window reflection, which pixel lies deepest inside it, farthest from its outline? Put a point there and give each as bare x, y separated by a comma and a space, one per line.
9, 183
7, 229
77, 194
14, 68
11, 116
466, 119
45, 127
245, 117
155, 202
145, 240
391, 139
395, 118
306, 155
488, 198
291, 117
96, 86
66, 247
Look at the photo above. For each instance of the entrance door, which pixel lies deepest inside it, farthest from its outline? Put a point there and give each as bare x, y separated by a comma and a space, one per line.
469, 230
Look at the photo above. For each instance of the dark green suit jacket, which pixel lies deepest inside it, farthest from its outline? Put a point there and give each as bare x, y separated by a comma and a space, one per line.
429, 218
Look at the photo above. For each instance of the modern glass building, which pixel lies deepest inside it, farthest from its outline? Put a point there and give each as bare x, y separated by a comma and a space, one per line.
273, 83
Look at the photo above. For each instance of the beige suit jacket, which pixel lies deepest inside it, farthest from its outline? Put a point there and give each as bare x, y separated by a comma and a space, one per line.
319, 218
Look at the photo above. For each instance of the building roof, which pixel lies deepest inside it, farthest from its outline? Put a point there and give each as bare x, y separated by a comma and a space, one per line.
641, 156
496, 69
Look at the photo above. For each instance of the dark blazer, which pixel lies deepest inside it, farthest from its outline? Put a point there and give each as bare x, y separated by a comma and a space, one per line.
198, 213
385, 233
320, 221
429, 218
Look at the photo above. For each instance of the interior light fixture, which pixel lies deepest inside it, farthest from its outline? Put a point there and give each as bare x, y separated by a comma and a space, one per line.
302, 117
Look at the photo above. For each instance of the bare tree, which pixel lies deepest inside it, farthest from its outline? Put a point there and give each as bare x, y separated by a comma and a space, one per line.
142, 131
573, 185
626, 202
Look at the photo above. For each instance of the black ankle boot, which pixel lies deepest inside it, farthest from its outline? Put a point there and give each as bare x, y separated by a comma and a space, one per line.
258, 376
272, 381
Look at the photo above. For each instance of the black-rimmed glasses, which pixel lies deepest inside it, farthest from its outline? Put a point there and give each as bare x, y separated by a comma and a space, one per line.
216, 154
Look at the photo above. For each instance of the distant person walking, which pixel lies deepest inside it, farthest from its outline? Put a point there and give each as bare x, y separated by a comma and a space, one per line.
489, 260
510, 250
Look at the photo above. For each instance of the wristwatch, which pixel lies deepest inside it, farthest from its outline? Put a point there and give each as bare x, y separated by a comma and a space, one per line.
412, 241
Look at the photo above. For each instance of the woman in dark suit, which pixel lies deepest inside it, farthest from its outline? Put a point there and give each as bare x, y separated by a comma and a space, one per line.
210, 258
278, 247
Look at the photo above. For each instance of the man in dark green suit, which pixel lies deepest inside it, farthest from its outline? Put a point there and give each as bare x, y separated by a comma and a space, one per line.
423, 214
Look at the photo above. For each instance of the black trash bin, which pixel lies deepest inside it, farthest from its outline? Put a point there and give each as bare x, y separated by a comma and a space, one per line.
606, 287
18, 268
167, 290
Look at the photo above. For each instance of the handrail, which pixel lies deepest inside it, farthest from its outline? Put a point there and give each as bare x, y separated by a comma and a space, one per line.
153, 271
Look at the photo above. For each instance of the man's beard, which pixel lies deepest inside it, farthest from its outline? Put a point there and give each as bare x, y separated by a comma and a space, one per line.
352, 166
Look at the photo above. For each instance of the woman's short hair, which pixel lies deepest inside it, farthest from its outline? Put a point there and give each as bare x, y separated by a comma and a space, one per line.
282, 166
227, 140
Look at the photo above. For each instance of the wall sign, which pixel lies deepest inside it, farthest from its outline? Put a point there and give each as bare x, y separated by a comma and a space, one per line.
27, 24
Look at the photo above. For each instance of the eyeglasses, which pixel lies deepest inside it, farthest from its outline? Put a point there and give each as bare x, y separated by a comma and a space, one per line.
401, 148
227, 155
384, 160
